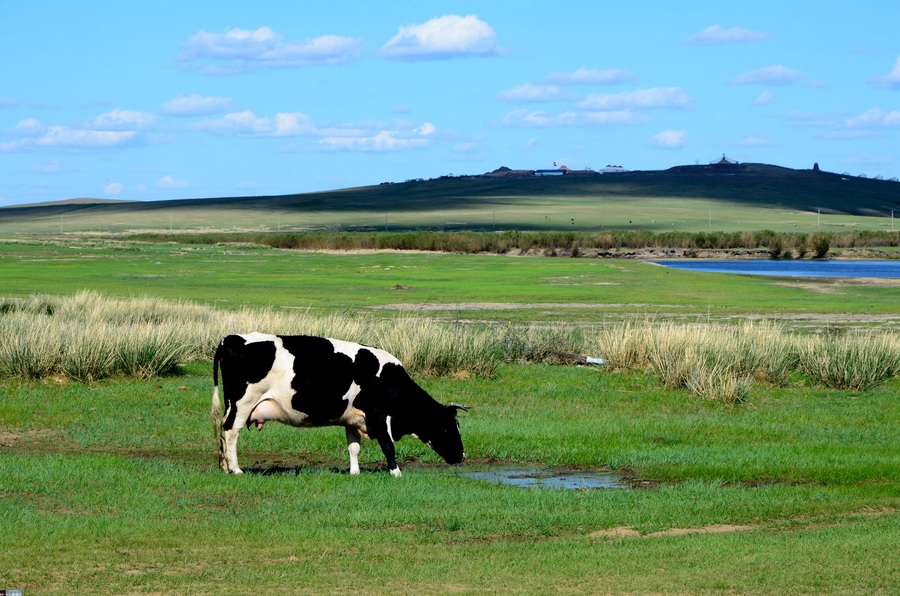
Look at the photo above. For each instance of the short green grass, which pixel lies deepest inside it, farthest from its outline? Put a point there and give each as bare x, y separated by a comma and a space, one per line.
113, 488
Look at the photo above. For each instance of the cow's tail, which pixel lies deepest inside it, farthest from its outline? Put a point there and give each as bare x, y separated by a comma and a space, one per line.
215, 412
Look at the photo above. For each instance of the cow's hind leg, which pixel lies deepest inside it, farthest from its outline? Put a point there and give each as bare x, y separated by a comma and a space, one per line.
353, 438
228, 451
228, 441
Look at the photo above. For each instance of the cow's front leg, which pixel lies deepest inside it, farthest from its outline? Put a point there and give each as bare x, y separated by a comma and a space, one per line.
382, 432
353, 438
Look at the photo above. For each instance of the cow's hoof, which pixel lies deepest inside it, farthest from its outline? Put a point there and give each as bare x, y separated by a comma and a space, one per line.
396, 473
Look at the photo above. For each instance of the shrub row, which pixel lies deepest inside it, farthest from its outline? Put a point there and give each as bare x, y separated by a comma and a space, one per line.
797, 244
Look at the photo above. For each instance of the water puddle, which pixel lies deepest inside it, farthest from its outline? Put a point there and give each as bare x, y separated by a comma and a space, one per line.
546, 478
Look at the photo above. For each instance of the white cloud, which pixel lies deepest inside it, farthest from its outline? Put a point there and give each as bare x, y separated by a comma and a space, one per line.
384, 140
112, 129
242, 50
63, 138
717, 34
529, 93
590, 76
875, 118
769, 75
171, 182
122, 120
358, 139
29, 127
425, 129
525, 118
764, 98
449, 36
891, 80
113, 188
668, 139
195, 105
247, 123
369, 136
659, 97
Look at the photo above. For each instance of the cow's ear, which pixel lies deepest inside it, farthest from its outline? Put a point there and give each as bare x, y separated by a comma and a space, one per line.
455, 406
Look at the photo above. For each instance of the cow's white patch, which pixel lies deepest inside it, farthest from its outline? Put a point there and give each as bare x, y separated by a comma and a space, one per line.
390, 432
256, 337
351, 349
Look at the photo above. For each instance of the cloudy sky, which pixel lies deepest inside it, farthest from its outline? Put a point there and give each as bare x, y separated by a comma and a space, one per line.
163, 100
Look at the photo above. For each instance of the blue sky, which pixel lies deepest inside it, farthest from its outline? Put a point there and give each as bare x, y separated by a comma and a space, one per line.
165, 100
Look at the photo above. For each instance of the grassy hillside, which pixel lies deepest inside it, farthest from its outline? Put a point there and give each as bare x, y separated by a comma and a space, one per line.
693, 198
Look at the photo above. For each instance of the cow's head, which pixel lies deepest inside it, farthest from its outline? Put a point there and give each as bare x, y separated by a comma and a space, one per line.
444, 437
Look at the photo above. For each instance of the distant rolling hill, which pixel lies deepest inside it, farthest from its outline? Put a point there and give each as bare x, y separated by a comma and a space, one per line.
741, 185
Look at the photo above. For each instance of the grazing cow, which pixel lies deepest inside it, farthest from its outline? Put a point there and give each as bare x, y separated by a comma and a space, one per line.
315, 381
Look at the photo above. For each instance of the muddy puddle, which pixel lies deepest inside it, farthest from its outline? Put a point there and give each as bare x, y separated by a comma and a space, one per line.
549, 478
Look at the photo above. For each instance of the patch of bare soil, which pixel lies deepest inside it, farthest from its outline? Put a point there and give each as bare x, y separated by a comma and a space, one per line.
626, 532
838, 285
20, 439
804, 524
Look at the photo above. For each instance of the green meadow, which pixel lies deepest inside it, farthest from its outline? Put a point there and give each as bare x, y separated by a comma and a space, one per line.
447, 286
111, 484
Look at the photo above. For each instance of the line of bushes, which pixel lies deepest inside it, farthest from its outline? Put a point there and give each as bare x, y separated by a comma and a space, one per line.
87, 337
777, 244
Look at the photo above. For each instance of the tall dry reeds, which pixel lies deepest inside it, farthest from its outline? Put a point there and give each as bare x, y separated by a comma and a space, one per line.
720, 362
854, 362
88, 337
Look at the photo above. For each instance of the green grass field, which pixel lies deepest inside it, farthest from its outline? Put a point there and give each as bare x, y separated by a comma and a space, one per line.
586, 291
113, 487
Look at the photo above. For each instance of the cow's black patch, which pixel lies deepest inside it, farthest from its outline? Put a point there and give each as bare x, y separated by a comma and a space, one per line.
365, 368
242, 364
321, 377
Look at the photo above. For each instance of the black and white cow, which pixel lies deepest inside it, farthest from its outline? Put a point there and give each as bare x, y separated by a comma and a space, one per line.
315, 381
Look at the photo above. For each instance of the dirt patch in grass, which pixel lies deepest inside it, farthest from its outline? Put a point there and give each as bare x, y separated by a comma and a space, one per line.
801, 524
822, 285
627, 532
26, 438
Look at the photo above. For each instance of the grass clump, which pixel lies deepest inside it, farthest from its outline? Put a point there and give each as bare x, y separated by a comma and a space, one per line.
855, 362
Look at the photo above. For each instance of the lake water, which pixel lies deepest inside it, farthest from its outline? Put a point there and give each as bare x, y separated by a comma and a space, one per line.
791, 268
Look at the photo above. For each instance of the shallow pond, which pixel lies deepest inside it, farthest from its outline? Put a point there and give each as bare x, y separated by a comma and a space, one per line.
549, 478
